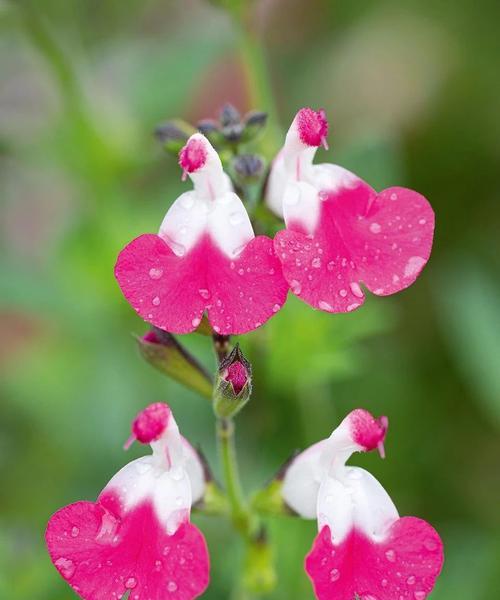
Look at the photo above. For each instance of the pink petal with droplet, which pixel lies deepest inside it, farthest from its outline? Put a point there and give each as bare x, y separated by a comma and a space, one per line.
404, 566
239, 295
381, 240
102, 555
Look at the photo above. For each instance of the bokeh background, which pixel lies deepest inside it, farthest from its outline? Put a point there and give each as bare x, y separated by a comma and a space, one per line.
410, 91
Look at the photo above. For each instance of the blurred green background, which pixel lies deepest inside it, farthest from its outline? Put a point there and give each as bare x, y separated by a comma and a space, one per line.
409, 89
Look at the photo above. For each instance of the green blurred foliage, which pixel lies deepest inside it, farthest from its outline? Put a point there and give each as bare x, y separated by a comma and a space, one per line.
409, 90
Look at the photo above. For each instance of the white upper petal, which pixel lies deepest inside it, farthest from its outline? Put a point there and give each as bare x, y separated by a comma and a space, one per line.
302, 481
171, 478
210, 208
353, 498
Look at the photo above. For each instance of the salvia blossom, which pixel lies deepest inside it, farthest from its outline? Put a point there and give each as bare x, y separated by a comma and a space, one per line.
340, 233
205, 258
137, 537
363, 547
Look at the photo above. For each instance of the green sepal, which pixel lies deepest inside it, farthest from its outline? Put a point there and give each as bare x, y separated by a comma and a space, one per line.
164, 352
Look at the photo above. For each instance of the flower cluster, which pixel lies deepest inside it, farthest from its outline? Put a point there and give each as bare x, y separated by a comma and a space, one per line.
206, 270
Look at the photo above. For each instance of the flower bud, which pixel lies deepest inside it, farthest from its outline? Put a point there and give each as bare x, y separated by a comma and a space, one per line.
254, 122
234, 384
248, 167
173, 135
164, 352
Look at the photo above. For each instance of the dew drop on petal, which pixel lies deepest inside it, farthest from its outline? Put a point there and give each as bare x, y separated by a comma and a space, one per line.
276, 308
394, 196
155, 273
204, 293
156, 301
316, 262
419, 595
375, 228
131, 583
356, 290
334, 575
411, 580
236, 218
171, 586
384, 583
66, 567
430, 545
325, 306
158, 565
390, 555
414, 265
295, 287
195, 322
241, 271
74, 532
343, 293
331, 265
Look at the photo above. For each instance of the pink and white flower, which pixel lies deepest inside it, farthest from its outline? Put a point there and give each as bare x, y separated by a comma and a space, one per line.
205, 258
340, 232
137, 537
363, 547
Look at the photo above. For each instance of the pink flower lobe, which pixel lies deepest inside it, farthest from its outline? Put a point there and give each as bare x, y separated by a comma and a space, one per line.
104, 554
238, 294
403, 567
381, 240
312, 126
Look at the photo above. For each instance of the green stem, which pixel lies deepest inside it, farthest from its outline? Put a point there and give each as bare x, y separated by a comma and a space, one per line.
240, 514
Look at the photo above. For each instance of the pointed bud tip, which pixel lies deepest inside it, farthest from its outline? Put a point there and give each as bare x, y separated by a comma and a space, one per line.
313, 127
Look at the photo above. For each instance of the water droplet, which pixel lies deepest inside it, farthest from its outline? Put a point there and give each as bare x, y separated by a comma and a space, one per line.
411, 580
325, 306
216, 328
276, 308
422, 222
171, 586
66, 567
155, 273
395, 278
131, 583
375, 228
195, 322
74, 532
394, 196
142, 467
107, 531
344, 262
356, 290
218, 302
384, 583
177, 473
158, 565
295, 287
324, 561
316, 262
334, 575
430, 545
390, 555
156, 301
414, 265
187, 201
205, 294
241, 271
343, 293
166, 551
331, 265
419, 595
236, 218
